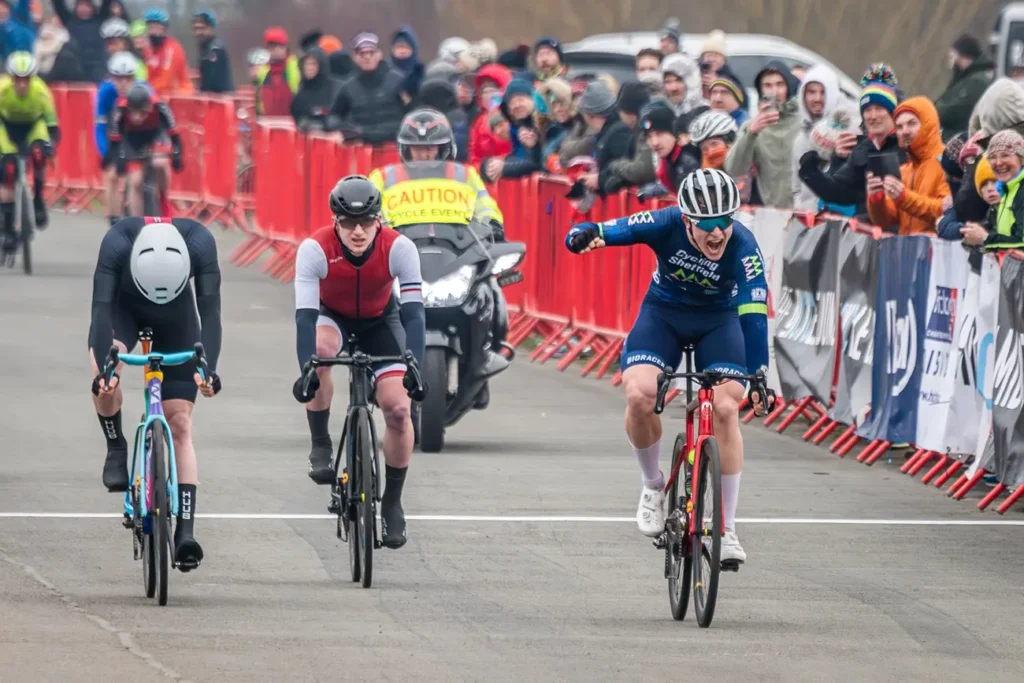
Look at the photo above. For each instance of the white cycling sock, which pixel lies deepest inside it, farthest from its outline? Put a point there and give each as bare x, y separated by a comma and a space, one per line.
730, 497
648, 459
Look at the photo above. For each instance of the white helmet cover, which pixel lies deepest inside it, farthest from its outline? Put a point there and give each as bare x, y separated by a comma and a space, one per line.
160, 264
123, 64
712, 124
708, 193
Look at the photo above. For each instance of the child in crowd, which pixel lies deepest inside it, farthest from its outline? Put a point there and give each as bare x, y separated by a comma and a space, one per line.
951, 227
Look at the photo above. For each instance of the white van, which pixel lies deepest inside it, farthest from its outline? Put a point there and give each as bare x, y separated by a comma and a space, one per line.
615, 53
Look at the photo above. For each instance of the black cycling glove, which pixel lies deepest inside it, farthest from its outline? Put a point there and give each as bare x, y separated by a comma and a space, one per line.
314, 385
417, 390
96, 382
582, 239
213, 379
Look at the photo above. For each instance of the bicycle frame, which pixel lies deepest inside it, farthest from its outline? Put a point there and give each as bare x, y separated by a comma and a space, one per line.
154, 363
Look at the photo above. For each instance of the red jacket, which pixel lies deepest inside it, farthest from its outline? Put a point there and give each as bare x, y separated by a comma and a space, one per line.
482, 143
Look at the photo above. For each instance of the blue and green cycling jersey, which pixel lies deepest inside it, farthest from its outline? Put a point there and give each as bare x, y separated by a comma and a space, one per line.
688, 281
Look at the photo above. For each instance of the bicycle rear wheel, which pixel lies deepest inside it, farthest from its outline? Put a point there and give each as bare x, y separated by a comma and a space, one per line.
160, 515
25, 220
678, 560
351, 499
706, 546
366, 505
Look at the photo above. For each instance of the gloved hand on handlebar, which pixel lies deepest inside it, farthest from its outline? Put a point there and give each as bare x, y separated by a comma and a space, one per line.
414, 385
762, 399
314, 386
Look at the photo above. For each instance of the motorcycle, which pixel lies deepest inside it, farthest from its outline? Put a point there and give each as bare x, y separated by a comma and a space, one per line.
460, 264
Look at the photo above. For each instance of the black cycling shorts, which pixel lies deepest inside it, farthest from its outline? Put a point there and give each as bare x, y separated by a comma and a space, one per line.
380, 336
179, 333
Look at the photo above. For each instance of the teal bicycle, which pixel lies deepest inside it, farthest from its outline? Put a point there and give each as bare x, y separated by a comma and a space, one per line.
151, 502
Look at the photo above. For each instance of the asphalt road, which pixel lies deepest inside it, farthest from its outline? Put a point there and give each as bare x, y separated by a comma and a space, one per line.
465, 600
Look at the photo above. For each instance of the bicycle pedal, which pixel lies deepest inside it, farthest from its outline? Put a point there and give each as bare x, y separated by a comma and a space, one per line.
127, 522
334, 507
731, 565
661, 542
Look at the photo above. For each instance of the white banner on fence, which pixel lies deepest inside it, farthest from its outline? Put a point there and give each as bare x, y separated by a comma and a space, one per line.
946, 292
769, 228
984, 365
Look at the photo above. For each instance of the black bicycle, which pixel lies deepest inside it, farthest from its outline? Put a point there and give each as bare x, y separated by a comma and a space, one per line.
356, 490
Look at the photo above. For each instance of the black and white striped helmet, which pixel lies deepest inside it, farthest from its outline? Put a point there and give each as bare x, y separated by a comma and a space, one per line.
708, 193
712, 124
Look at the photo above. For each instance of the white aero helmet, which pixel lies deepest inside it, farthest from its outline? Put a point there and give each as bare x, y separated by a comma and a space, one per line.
115, 28
123, 64
160, 263
708, 193
712, 124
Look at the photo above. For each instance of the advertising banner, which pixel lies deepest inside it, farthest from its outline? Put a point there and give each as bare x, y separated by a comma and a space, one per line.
1008, 382
807, 311
901, 305
985, 330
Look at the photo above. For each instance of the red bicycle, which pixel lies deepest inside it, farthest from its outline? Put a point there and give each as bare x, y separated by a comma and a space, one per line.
694, 526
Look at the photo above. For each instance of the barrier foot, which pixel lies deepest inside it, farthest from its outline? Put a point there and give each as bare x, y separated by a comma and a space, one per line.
617, 378
955, 486
843, 438
921, 462
930, 474
912, 460
815, 427
879, 452
596, 360
671, 395
868, 450
576, 350
848, 446
744, 404
1014, 497
969, 484
953, 469
612, 356
992, 495
749, 416
548, 341
829, 428
519, 335
794, 414
779, 409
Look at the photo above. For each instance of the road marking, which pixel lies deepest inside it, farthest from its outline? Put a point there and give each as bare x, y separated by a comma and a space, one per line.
540, 519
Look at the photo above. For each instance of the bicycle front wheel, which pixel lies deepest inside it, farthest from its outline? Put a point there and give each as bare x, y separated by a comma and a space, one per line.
160, 515
678, 560
366, 505
707, 539
25, 220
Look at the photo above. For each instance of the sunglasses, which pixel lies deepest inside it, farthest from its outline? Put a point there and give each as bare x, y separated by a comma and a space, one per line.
349, 224
709, 224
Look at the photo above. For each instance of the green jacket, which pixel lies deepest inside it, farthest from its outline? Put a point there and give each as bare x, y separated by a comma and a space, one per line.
957, 101
1009, 222
771, 153
292, 75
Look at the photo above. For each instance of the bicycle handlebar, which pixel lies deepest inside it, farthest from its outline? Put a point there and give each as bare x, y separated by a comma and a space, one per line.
708, 379
361, 360
114, 356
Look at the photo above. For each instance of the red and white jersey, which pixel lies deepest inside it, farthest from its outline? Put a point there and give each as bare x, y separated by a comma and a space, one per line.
324, 275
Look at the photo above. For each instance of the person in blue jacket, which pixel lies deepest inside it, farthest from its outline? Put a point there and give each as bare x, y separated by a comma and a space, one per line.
124, 71
17, 30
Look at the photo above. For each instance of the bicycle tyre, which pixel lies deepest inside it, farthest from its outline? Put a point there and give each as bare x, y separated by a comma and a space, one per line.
367, 502
678, 560
149, 194
161, 512
26, 225
148, 555
433, 409
707, 488
351, 494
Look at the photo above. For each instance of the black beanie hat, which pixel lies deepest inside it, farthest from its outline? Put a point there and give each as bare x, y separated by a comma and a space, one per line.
968, 46
632, 97
657, 116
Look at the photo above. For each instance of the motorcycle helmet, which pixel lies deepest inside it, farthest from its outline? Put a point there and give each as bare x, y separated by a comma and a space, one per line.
425, 127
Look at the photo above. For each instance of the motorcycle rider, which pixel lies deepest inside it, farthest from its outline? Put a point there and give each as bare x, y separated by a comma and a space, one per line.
426, 145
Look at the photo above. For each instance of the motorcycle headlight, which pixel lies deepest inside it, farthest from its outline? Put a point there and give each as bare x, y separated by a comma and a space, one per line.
506, 262
451, 290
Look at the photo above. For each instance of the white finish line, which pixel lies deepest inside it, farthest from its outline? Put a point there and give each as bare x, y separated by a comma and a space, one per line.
539, 519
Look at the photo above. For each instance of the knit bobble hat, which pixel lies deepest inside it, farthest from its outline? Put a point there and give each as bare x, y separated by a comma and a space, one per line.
951, 156
656, 116
880, 72
825, 133
880, 93
1007, 140
983, 173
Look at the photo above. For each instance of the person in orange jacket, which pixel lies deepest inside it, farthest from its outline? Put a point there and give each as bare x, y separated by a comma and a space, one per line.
913, 202
165, 60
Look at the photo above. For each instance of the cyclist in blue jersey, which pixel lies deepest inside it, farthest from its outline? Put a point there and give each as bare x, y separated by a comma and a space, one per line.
708, 289
123, 68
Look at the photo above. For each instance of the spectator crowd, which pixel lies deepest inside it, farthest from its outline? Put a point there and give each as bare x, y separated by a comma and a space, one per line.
907, 163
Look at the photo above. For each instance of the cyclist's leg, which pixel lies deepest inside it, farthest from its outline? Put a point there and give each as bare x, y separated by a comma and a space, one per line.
180, 333
162, 181
8, 171
318, 411
108, 406
39, 141
135, 180
652, 345
722, 348
388, 339
114, 192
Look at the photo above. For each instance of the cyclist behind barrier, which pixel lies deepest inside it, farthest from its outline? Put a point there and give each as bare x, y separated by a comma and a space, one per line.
117, 38
144, 126
344, 278
429, 186
124, 73
142, 280
708, 289
27, 116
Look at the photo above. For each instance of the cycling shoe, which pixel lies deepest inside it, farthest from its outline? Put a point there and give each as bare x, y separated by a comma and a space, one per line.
115, 470
188, 554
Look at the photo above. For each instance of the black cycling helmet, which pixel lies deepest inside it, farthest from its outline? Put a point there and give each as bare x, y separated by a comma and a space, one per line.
139, 97
355, 197
426, 127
